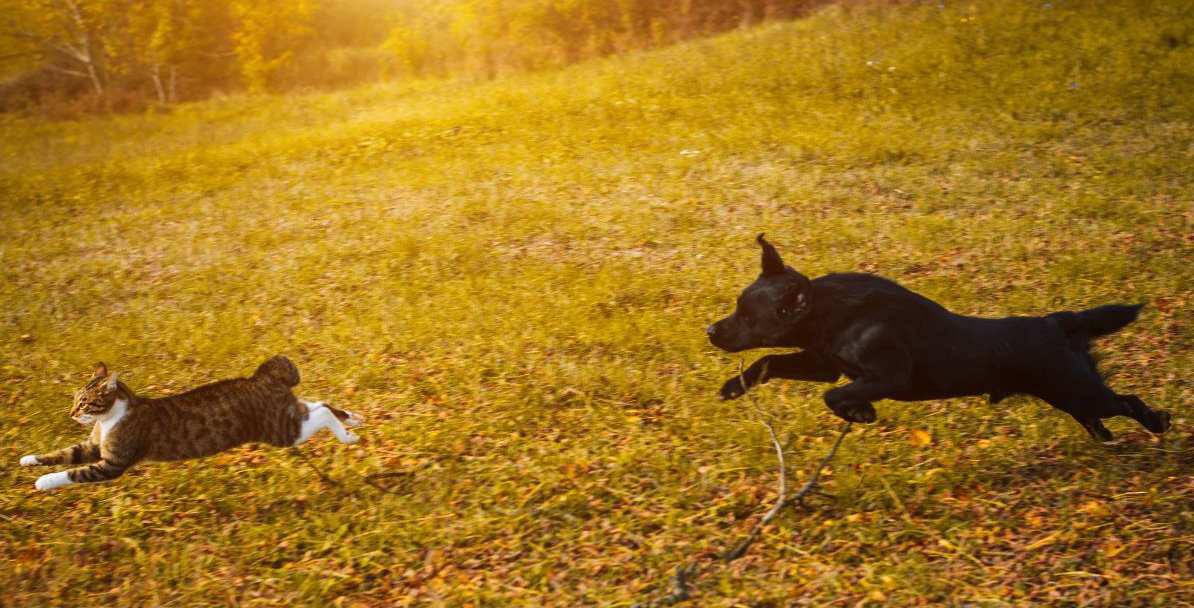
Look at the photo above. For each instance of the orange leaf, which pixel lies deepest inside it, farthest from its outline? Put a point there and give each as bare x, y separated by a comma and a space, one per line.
920, 438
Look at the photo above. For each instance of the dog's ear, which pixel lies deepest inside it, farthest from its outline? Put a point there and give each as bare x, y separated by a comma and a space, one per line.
795, 299
772, 263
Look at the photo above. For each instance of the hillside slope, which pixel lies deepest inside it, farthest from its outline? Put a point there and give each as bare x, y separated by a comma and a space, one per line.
511, 281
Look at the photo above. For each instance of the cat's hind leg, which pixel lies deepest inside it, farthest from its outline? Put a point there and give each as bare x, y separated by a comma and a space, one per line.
320, 417
347, 418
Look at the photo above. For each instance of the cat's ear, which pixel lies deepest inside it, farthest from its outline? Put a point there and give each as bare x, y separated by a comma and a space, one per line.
101, 371
111, 385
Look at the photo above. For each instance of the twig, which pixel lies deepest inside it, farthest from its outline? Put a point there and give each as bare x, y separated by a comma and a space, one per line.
680, 584
318, 471
783, 500
681, 579
370, 479
781, 497
811, 484
680, 588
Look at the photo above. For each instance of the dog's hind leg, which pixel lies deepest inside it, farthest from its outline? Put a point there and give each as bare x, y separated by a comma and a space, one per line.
1089, 401
1075, 387
1095, 427
1077, 408
1156, 421
1090, 407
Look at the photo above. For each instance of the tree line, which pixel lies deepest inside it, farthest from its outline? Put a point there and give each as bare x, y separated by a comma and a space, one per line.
122, 54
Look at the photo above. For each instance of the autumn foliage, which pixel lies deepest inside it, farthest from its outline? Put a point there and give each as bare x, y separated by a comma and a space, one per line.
120, 54
510, 279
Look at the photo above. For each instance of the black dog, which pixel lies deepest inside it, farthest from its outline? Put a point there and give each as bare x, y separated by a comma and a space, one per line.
896, 344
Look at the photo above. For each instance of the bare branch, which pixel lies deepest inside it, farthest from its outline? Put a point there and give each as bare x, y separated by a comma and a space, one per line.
54, 68
15, 55
680, 580
78, 30
811, 484
370, 479
782, 500
782, 495
62, 48
318, 471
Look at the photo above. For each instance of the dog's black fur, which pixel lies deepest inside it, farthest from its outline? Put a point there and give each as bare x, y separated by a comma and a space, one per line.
895, 344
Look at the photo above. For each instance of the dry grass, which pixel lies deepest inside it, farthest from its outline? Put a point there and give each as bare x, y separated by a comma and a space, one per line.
511, 280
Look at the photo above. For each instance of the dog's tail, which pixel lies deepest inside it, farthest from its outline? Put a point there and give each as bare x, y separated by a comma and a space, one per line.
1098, 321
278, 369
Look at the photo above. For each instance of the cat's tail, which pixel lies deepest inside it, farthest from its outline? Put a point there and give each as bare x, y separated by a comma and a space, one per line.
350, 419
278, 369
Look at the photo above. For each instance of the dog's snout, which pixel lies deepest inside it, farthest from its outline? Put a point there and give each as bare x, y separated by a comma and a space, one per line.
711, 330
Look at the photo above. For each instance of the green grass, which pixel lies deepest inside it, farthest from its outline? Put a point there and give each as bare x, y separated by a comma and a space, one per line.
511, 280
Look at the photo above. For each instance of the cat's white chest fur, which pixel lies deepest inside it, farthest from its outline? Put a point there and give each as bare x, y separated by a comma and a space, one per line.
109, 420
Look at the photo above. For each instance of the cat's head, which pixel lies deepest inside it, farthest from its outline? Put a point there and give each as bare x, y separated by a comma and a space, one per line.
97, 397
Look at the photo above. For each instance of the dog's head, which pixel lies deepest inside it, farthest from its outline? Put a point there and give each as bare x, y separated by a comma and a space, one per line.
767, 310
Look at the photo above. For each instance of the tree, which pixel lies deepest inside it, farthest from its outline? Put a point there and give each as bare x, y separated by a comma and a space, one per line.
66, 36
267, 35
163, 40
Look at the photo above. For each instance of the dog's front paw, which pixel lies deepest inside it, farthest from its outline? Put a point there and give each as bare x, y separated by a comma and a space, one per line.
29, 461
1097, 431
856, 412
350, 438
1161, 423
50, 481
732, 389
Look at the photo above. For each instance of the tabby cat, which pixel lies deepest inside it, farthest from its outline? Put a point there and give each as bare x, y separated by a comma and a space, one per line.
201, 422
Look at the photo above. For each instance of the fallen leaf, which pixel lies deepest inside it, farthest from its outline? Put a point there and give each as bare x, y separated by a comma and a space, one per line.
920, 438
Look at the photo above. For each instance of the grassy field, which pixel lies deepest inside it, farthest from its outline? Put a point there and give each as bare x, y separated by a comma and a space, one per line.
511, 281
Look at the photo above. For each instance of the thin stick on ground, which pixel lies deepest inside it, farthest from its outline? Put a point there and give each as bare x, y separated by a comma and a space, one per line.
780, 499
681, 579
318, 471
810, 485
783, 500
370, 479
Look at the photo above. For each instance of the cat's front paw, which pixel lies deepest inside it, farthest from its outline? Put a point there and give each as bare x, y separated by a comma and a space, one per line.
50, 481
29, 461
